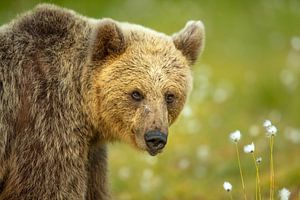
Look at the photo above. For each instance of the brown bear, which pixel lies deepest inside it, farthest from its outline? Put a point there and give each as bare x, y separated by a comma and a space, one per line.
70, 84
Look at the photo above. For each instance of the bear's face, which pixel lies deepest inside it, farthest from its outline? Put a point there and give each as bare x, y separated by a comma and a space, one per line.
141, 81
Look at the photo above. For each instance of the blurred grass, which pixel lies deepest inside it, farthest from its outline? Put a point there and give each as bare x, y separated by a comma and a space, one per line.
249, 71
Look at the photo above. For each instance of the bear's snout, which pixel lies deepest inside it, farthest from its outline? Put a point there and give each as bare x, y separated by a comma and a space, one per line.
155, 141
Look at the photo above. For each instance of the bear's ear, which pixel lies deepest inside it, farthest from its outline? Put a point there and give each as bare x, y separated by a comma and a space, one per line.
190, 40
107, 40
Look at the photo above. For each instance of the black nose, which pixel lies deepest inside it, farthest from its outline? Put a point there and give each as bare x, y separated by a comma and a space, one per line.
155, 140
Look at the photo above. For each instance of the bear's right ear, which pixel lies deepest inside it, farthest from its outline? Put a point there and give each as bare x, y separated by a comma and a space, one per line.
107, 40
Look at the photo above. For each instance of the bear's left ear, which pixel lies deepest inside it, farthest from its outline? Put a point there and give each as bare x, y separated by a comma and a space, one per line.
190, 40
107, 40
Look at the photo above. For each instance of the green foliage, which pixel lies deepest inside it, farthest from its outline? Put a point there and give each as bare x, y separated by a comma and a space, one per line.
249, 71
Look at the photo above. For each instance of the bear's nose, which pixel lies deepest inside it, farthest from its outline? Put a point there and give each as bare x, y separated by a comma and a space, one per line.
155, 141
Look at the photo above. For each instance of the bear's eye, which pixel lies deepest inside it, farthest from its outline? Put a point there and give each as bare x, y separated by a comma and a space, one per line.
137, 96
169, 98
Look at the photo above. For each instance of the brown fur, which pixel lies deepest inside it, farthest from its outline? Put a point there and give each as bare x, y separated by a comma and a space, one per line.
65, 85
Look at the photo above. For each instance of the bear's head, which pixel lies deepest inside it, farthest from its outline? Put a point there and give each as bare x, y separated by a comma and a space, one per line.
140, 80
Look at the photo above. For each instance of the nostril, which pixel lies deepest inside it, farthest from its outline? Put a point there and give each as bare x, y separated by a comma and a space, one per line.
157, 143
155, 140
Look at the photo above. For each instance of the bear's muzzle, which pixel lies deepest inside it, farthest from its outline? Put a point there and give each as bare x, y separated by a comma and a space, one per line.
155, 141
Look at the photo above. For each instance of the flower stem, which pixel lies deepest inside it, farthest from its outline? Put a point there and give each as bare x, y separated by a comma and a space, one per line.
241, 172
257, 192
230, 196
272, 174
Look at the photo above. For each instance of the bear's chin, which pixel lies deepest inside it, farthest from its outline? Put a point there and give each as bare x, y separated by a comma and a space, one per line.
152, 153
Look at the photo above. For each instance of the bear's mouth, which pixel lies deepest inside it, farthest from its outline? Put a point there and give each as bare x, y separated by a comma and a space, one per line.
153, 153
144, 147
151, 144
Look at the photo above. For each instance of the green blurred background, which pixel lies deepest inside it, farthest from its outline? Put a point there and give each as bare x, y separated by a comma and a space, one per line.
249, 72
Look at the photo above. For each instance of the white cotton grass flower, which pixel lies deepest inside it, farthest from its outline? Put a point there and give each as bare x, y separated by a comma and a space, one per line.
258, 160
284, 194
227, 186
249, 148
267, 123
271, 130
235, 136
